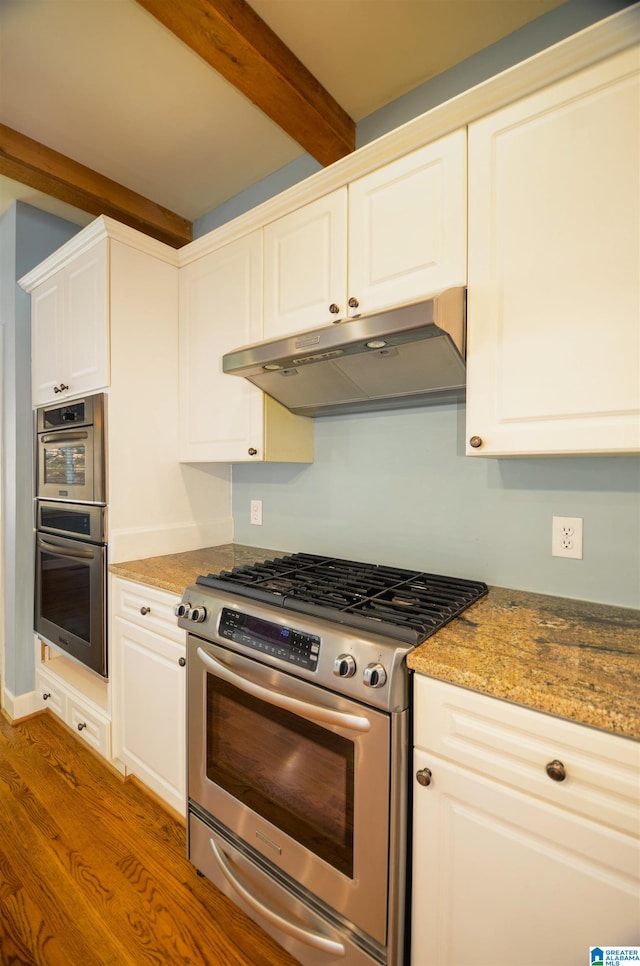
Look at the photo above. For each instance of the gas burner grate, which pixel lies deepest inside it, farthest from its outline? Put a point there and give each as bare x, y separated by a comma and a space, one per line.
405, 605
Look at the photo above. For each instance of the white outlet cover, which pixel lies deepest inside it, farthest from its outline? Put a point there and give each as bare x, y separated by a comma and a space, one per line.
566, 537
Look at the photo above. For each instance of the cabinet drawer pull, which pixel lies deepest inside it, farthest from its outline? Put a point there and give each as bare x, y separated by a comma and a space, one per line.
82, 725
60, 388
145, 610
46, 695
423, 776
252, 451
475, 442
556, 770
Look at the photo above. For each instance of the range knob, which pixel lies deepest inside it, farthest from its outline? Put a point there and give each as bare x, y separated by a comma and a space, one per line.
344, 666
181, 610
197, 614
374, 676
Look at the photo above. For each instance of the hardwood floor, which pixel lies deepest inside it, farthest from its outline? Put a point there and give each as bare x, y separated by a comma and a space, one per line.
93, 871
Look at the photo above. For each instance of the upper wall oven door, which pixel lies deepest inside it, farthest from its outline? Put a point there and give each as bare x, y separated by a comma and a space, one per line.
71, 452
299, 774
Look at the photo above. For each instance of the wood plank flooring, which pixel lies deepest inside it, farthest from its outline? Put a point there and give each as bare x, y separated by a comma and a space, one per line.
93, 870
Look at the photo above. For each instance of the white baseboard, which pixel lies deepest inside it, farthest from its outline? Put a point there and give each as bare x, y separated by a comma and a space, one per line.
20, 706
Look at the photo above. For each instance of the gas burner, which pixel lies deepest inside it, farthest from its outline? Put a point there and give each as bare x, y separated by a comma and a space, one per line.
404, 605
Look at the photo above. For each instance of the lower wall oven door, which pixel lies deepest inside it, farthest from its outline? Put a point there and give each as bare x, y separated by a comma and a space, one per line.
70, 598
299, 775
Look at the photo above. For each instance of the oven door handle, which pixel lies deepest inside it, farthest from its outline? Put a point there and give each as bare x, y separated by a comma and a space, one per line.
65, 551
66, 436
292, 929
315, 712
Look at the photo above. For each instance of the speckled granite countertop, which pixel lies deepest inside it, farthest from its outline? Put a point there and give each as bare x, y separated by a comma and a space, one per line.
572, 658
175, 571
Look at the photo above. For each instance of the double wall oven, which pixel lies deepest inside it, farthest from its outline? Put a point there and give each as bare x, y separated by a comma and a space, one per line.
71, 549
299, 722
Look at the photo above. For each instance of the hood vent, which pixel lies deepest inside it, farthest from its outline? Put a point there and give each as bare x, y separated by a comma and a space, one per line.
404, 357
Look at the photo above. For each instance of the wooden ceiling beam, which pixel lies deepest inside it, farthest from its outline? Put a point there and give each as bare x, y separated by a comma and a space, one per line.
238, 44
38, 166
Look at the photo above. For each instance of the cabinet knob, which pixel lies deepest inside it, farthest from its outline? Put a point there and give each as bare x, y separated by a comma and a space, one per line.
82, 725
423, 776
334, 309
46, 695
182, 661
476, 442
145, 610
252, 451
556, 770
60, 388
353, 303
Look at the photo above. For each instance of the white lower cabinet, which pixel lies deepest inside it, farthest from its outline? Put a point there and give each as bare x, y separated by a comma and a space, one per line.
511, 867
148, 655
61, 689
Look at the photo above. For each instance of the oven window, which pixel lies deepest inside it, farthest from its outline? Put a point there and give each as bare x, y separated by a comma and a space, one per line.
294, 773
65, 464
66, 594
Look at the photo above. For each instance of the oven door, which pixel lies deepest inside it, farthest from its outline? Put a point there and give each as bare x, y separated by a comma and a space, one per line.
70, 466
70, 598
298, 774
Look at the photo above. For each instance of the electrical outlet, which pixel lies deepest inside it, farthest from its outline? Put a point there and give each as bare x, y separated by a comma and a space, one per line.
566, 537
256, 513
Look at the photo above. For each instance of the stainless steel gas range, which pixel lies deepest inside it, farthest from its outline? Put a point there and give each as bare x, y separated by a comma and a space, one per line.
299, 734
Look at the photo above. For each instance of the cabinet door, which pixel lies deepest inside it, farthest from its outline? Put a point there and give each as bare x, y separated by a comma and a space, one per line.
408, 227
70, 329
149, 709
503, 879
86, 313
554, 268
47, 339
221, 416
305, 266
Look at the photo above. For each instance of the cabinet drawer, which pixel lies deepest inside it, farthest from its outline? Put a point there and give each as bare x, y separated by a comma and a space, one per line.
513, 745
50, 694
147, 607
91, 726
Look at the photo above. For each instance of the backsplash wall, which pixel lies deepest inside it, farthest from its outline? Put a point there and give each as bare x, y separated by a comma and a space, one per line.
397, 488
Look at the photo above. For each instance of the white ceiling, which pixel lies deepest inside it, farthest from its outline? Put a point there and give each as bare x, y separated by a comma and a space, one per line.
104, 83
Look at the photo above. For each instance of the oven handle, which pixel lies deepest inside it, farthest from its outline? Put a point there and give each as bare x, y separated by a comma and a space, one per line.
65, 437
65, 551
313, 711
292, 929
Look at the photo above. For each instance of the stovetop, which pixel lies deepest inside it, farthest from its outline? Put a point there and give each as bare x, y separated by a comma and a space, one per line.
404, 605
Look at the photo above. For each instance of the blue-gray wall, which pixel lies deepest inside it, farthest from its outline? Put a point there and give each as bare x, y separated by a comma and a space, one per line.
397, 488
27, 236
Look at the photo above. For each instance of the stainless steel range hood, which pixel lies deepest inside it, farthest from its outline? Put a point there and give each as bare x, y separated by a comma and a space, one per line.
403, 357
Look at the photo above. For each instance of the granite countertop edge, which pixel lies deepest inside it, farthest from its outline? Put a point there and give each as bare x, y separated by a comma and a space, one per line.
574, 659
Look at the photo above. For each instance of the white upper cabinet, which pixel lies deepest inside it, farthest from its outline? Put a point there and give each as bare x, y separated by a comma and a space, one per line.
393, 236
408, 227
224, 417
70, 328
554, 269
305, 267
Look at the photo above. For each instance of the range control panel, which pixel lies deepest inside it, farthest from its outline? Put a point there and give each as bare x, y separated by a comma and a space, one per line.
285, 643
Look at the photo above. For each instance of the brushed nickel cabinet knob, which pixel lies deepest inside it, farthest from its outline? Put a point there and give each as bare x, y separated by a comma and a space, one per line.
252, 451
423, 777
353, 303
476, 442
334, 309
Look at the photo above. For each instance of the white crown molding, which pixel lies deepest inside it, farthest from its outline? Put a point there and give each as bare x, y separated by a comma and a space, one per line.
96, 232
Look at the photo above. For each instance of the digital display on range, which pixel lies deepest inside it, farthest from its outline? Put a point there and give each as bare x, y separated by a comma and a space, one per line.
280, 641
